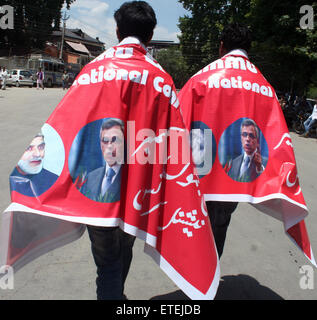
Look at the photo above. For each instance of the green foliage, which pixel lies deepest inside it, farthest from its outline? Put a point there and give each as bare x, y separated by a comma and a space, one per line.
34, 21
285, 53
312, 92
200, 31
172, 61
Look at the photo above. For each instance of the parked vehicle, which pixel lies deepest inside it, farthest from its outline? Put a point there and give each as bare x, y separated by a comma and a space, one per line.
34, 77
298, 123
20, 77
52, 68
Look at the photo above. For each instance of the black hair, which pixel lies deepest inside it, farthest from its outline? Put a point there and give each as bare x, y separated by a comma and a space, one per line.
112, 122
136, 18
236, 36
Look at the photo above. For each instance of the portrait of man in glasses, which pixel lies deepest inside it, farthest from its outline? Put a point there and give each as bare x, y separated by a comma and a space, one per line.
103, 184
250, 164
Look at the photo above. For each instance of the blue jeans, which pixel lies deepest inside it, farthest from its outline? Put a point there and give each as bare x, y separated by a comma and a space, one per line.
112, 252
309, 123
64, 83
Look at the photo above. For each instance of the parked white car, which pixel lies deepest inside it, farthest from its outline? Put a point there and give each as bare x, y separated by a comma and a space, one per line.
20, 77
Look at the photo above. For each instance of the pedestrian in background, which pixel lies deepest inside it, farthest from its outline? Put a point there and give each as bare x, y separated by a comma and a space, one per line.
65, 78
4, 75
40, 79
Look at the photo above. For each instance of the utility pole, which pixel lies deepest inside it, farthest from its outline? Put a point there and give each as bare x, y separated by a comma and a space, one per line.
63, 35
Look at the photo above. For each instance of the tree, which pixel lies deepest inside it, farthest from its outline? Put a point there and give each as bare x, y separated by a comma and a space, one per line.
34, 21
282, 50
173, 62
199, 41
285, 53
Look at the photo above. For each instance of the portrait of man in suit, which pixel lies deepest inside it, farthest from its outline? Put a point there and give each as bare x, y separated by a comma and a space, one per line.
103, 184
250, 164
29, 177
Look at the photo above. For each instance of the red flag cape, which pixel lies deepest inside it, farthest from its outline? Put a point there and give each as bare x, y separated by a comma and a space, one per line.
158, 198
215, 103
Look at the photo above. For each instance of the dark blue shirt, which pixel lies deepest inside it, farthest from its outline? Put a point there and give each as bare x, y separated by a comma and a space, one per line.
32, 185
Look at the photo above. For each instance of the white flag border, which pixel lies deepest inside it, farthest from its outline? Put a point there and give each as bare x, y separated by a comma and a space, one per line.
149, 248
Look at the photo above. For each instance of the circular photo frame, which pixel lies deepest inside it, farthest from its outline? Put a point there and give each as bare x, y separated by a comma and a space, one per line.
40, 165
243, 150
95, 159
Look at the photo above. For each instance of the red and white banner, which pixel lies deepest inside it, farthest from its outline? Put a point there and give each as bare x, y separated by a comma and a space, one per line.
241, 144
122, 98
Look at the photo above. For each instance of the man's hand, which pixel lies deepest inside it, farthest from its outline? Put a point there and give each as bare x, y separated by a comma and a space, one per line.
258, 161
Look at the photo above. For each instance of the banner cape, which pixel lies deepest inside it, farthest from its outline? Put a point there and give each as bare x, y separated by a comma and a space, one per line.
215, 103
158, 199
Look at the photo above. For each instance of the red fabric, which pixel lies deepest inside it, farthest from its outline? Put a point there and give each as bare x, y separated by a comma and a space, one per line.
160, 203
221, 96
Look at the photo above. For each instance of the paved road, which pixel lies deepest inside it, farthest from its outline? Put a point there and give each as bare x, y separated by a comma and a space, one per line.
259, 260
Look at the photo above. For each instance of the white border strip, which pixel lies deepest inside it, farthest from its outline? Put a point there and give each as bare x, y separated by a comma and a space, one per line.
103, 222
312, 259
182, 283
4, 237
250, 199
149, 248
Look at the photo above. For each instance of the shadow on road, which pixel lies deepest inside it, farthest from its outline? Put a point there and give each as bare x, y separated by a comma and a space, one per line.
240, 287
244, 287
